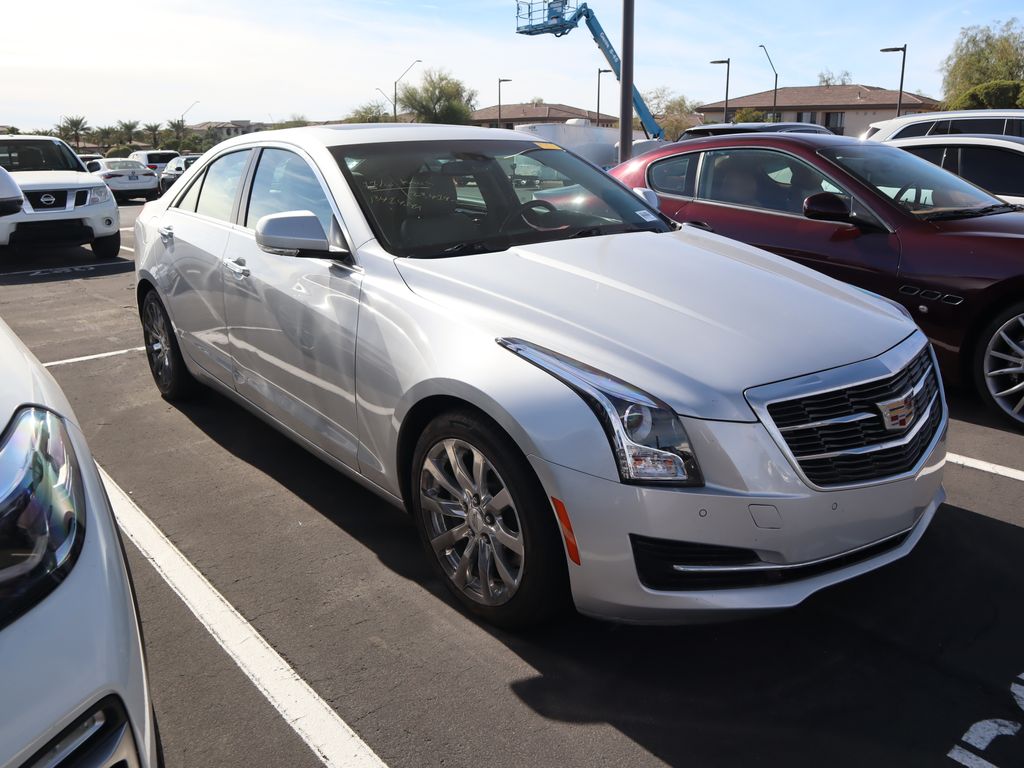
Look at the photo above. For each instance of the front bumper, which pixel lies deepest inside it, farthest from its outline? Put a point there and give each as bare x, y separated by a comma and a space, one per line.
754, 500
79, 651
73, 226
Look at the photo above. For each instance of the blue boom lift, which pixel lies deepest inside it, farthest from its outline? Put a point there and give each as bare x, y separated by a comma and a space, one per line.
560, 17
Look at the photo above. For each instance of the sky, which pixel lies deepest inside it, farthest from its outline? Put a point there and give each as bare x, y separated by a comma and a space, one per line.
266, 60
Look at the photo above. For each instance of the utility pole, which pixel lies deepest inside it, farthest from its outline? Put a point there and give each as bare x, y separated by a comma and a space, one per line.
626, 83
500, 81
775, 93
725, 112
903, 66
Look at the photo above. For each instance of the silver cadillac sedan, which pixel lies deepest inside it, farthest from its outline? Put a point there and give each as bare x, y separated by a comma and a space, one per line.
577, 402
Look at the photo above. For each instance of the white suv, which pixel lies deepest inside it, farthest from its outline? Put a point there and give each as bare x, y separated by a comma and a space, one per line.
1000, 122
63, 203
154, 159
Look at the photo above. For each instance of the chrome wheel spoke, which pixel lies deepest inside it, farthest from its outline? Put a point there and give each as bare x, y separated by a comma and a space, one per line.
1018, 406
438, 474
1008, 358
480, 467
445, 508
483, 569
465, 566
461, 477
1011, 343
507, 538
448, 539
1005, 371
504, 571
500, 501
1011, 391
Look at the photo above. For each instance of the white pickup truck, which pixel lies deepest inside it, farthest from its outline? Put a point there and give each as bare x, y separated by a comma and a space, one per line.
63, 204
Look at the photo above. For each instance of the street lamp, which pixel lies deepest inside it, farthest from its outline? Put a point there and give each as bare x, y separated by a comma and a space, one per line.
725, 113
500, 81
775, 93
188, 110
599, 73
386, 97
903, 65
394, 101
626, 82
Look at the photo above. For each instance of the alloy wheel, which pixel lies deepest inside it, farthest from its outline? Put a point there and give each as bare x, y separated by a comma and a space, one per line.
156, 336
472, 522
1004, 367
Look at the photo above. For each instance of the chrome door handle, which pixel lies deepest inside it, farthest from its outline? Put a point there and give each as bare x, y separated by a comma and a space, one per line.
237, 266
166, 233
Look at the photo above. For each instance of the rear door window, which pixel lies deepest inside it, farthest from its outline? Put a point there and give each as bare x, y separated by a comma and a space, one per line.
914, 129
674, 175
1000, 171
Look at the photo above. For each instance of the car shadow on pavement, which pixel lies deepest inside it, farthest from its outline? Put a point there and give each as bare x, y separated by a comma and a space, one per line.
966, 405
44, 265
889, 669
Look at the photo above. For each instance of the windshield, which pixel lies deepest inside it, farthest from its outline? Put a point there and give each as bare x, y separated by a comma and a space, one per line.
448, 198
37, 155
125, 165
913, 184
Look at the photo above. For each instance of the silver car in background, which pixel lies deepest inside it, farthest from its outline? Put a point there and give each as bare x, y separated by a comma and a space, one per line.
572, 397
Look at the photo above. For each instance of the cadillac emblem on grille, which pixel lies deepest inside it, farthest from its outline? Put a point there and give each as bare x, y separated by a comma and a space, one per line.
47, 199
898, 413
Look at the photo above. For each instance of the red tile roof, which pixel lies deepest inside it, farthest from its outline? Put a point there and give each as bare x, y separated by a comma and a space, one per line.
838, 97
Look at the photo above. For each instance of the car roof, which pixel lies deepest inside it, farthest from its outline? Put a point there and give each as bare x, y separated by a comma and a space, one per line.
763, 126
375, 133
758, 139
7, 136
1017, 142
920, 116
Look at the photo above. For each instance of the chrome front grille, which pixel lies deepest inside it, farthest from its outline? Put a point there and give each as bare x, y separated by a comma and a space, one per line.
865, 430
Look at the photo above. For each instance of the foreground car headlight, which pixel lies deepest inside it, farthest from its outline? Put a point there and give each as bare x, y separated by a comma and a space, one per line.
99, 195
647, 438
42, 510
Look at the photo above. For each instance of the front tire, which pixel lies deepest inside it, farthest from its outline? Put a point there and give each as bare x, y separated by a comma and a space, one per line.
999, 364
486, 523
107, 247
162, 351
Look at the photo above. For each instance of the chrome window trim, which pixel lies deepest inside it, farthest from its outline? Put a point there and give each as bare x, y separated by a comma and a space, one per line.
790, 566
883, 366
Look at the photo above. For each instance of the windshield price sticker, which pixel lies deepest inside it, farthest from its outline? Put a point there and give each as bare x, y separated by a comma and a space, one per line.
546, 145
646, 215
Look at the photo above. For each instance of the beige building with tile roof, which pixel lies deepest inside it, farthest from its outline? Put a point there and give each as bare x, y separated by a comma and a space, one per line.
843, 109
541, 112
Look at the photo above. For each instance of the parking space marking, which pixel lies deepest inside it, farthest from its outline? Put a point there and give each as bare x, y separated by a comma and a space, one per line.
312, 718
126, 248
127, 229
85, 358
56, 270
985, 466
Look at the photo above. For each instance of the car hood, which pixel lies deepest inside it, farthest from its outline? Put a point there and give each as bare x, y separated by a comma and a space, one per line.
54, 179
1008, 225
689, 317
25, 381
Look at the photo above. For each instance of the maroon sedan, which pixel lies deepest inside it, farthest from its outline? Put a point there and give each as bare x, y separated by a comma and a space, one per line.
874, 216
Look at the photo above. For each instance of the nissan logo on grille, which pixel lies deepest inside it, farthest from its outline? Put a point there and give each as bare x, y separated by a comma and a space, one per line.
898, 413
47, 199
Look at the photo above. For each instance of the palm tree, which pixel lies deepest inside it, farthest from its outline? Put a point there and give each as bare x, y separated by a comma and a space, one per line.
76, 125
153, 129
178, 126
127, 129
104, 135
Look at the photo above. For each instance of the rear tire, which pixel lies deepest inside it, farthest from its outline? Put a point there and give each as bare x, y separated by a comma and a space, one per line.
487, 526
162, 351
107, 247
999, 364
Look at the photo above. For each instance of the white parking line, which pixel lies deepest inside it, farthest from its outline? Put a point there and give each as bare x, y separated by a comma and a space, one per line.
58, 270
985, 466
312, 718
126, 248
127, 229
84, 358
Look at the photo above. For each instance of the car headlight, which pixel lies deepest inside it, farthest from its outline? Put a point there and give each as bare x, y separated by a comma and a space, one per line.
42, 510
646, 436
99, 195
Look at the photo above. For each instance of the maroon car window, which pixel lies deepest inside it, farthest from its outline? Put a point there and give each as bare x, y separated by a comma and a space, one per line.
674, 175
1000, 171
761, 179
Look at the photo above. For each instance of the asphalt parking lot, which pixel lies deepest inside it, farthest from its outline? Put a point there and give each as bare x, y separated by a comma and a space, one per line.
921, 663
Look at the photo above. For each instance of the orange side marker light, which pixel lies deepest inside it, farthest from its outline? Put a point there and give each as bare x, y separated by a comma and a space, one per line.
567, 534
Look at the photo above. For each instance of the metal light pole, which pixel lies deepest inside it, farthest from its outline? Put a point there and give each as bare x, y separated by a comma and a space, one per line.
725, 112
626, 83
386, 97
903, 66
500, 81
187, 111
775, 93
599, 73
394, 101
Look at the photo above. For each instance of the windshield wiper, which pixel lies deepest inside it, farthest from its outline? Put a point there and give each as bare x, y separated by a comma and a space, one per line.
970, 213
464, 248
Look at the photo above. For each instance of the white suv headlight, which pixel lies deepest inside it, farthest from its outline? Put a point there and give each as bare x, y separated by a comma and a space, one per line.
42, 510
99, 194
646, 436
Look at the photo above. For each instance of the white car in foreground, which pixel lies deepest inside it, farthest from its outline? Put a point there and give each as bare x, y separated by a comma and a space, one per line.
127, 179
73, 688
64, 204
568, 393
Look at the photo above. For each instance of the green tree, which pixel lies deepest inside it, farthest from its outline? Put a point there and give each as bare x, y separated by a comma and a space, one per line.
981, 55
61, 131
748, 115
127, 129
370, 112
76, 125
153, 129
440, 98
178, 127
104, 135
997, 94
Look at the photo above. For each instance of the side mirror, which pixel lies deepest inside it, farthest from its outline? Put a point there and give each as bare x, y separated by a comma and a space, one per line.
649, 196
10, 194
92, 166
292, 233
827, 206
